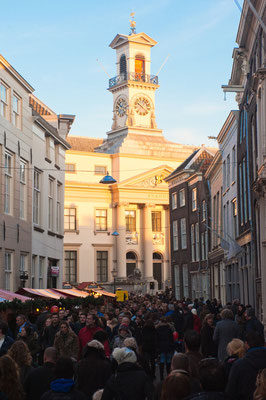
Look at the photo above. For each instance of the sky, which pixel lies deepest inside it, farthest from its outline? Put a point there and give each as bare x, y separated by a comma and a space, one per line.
54, 45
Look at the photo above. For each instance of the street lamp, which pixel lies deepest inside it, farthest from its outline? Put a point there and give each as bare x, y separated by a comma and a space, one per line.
114, 275
107, 179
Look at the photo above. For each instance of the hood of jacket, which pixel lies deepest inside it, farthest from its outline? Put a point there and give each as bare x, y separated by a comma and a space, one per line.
62, 385
256, 356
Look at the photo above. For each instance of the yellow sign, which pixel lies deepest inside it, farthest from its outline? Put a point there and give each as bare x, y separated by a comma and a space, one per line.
121, 295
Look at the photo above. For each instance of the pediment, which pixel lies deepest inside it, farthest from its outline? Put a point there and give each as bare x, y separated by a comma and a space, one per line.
141, 38
150, 179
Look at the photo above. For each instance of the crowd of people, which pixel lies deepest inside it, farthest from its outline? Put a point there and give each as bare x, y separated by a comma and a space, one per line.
149, 347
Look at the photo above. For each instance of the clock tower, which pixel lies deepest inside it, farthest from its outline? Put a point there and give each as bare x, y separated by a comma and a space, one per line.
134, 86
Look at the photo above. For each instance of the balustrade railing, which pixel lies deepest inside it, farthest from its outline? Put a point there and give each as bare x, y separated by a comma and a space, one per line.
133, 76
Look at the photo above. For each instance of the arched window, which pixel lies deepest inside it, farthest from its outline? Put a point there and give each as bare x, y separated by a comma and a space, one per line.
140, 68
131, 263
123, 66
157, 256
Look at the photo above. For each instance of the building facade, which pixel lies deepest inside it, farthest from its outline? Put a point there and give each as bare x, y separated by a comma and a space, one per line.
122, 229
24, 134
189, 221
248, 80
227, 141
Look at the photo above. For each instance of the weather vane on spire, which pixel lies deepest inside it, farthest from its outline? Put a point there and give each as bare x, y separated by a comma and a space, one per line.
132, 24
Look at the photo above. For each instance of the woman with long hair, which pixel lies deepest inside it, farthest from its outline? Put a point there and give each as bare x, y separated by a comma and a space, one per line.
20, 353
208, 347
10, 384
235, 350
260, 392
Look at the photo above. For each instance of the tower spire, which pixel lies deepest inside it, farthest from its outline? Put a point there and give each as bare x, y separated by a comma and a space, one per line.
132, 24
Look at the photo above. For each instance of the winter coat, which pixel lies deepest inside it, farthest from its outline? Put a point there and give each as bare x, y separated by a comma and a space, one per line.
208, 347
38, 381
86, 335
253, 325
188, 321
49, 335
129, 383
194, 358
24, 372
93, 372
63, 389
149, 339
228, 362
165, 341
6, 345
196, 323
224, 332
242, 379
32, 342
67, 345
118, 340
208, 396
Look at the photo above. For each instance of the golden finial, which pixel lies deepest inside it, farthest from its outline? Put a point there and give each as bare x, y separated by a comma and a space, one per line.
132, 24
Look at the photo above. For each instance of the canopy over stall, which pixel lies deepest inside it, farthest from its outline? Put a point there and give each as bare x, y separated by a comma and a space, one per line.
43, 293
6, 295
72, 292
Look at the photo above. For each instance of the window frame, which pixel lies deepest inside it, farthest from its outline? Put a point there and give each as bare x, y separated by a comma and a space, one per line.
194, 199
69, 222
16, 114
58, 206
69, 171
174, 200
4, 102
156, 222
8, 270
22, 189
36, 208
175, 235
183, 203
101, 220
130, 221
183, 232
99, 172
69, 268
51, 203
8, 182
102, 276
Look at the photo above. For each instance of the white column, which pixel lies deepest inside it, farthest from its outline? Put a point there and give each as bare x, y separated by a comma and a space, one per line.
148, 245
121, 240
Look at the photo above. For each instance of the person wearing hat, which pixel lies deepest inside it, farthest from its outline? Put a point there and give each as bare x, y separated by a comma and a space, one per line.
252, 323
129, 382
123, 333
197, 321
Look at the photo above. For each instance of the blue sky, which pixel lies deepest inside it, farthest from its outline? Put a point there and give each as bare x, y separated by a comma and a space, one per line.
54, 46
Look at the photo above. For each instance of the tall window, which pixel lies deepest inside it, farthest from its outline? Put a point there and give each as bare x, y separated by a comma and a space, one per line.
71, 266
234, 163
203, 248
8, 270
185, 280
8, 183
139, 68
192, 233
130, 220
240, 193
206, 243
3, 100
16, 110
36, 197
101, 220
69, 219
58, 206
234, 214
197, 240
182, 199
224, 176
194, 199
156, 221
174, 200
228, 171
22, 189
50, 203
41, 269
175, 236
204, 211
33, 271
183, 227
244, 190
123, 66
102, 266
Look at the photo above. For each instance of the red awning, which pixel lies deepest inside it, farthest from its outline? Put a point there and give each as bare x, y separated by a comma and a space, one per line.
9, 296
46, 293
72, 292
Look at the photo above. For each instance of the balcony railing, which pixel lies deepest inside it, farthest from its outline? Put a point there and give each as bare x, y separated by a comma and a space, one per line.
132, 76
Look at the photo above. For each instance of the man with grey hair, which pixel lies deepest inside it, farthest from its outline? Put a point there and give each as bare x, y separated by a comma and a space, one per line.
224, 332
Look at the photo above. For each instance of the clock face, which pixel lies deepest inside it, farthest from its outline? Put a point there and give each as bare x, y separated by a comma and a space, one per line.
121, 107
142, 105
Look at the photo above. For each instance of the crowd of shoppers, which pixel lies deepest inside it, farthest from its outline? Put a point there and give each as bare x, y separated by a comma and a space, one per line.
149, 347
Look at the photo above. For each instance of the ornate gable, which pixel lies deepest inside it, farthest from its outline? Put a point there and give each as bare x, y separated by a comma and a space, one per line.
150, 179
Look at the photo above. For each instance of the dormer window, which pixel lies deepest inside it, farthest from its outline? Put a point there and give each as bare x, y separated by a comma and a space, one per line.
123, 66
139, 68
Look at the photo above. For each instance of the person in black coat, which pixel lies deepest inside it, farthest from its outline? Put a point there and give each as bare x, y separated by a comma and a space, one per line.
130, 381
208, 347
5, 340
149, 344
252, 323
242, 379
63, 386
38, 381
188, 319
50, 332
165, 345
94, 370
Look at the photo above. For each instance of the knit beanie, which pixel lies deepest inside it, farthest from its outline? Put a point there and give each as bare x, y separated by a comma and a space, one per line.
124, 355
96, 344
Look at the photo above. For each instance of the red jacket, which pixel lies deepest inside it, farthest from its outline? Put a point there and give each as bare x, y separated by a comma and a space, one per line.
86, 335
197, 323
